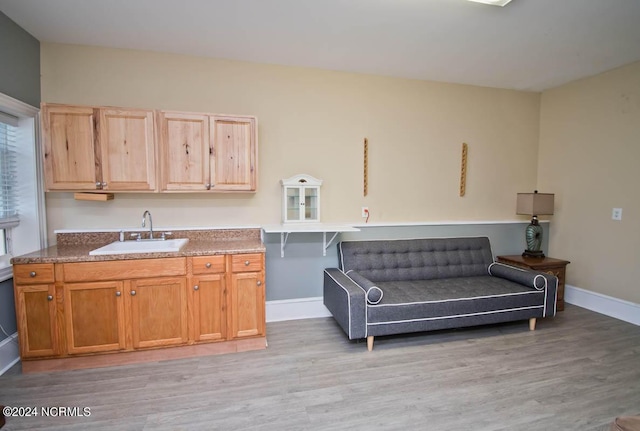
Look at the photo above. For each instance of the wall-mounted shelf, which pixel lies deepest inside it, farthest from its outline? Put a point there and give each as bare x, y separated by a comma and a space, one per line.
88, 196
285, 229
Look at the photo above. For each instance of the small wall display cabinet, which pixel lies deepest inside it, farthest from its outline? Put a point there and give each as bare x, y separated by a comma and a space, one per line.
301, 199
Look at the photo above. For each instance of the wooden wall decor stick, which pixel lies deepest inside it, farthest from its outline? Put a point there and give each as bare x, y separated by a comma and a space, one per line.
366, 166
463, 170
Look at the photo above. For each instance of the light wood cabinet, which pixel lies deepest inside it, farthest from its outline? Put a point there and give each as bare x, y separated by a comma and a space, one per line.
137, 150
36, 319
234, 155
94, 317
87, 148
36, 310
127, 144
158, 312
70, 161
86, 308
184, 151
247, 309
209, 298
207, 152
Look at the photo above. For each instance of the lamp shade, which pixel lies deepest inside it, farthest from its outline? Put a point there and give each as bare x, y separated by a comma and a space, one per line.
535, 203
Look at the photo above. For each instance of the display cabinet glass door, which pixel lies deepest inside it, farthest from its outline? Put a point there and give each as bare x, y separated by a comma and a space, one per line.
310, 203
293, 203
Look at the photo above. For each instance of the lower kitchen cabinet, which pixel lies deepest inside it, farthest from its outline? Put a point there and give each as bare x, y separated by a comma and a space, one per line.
247, 295
158, 312
91, 308
36, 316
209, 307
94, 317
247, 305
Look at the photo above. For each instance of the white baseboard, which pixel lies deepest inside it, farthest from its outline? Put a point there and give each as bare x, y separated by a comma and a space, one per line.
294, 309
9, 355
603, 304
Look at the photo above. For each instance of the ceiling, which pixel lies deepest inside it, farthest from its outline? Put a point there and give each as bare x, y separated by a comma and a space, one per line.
528, 45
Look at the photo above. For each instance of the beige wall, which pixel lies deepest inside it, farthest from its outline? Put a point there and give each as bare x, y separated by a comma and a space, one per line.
589, 155
313, 122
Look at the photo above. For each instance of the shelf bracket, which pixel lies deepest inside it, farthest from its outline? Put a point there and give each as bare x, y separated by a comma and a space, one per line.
327, 244
284, 236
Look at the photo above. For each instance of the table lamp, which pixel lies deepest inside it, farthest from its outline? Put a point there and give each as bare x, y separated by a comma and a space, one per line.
534, 204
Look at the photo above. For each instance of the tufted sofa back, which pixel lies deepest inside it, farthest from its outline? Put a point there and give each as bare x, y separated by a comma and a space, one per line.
416, 259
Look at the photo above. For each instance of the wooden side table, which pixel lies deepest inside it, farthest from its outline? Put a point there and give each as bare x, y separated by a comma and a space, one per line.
549, 265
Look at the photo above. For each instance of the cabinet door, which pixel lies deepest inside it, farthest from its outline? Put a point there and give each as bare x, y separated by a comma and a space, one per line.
159, 312
184, 151
234, 153
209, 308
127, 145
36, 318
292, 204
247, 305
70, 156
94, 317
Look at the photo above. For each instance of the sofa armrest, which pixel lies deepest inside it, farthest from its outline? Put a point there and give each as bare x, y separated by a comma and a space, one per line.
372, 292
533, 279
346, 301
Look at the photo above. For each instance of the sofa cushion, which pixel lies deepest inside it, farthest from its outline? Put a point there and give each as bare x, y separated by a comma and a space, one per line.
416, 259
414, 300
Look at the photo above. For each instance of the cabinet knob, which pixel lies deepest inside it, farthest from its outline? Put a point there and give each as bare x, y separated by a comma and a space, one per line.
259, 283
118, 293
246, 263
32, 274
133, 293
208, 264
208, 186
50, 298
196, 287
104, 184
98, 184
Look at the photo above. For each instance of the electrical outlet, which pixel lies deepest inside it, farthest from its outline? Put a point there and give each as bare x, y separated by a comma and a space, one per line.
616, 214
365, 212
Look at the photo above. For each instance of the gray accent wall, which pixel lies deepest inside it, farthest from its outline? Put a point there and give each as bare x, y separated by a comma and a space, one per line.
20, 71
7, 308
20, 79
299, 273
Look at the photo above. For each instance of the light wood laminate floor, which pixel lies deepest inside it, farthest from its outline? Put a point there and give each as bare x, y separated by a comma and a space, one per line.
576, 371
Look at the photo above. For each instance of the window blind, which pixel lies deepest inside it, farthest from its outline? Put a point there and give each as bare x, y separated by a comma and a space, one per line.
8, 171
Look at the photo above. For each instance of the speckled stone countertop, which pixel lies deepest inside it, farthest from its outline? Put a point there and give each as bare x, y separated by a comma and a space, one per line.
75, 247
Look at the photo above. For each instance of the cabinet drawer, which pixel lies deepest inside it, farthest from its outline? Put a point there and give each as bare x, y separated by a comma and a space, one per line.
208, 264
33, 273
122, 270
246, 262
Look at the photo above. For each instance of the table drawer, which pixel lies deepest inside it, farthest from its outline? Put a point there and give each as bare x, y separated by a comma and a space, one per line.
36, 273
208, 264
246, 262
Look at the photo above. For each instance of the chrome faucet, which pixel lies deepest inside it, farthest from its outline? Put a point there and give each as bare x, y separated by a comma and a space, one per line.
144, 218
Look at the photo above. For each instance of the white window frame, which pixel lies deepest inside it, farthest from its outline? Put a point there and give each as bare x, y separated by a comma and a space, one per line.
30, 234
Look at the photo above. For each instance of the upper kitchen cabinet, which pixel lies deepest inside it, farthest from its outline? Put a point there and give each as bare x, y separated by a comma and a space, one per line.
88, 148
70, 161
234, 153
127, 144
201, 152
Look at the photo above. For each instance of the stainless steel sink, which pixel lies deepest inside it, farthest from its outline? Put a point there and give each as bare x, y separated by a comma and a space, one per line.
144, 246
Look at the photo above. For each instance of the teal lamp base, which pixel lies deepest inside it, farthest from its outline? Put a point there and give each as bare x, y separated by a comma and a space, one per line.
533, 235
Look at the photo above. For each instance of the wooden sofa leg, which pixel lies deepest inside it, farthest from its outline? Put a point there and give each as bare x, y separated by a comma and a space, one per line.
370, 343
532, 324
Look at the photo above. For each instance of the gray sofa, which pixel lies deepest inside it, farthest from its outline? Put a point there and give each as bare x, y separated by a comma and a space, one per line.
390, 287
